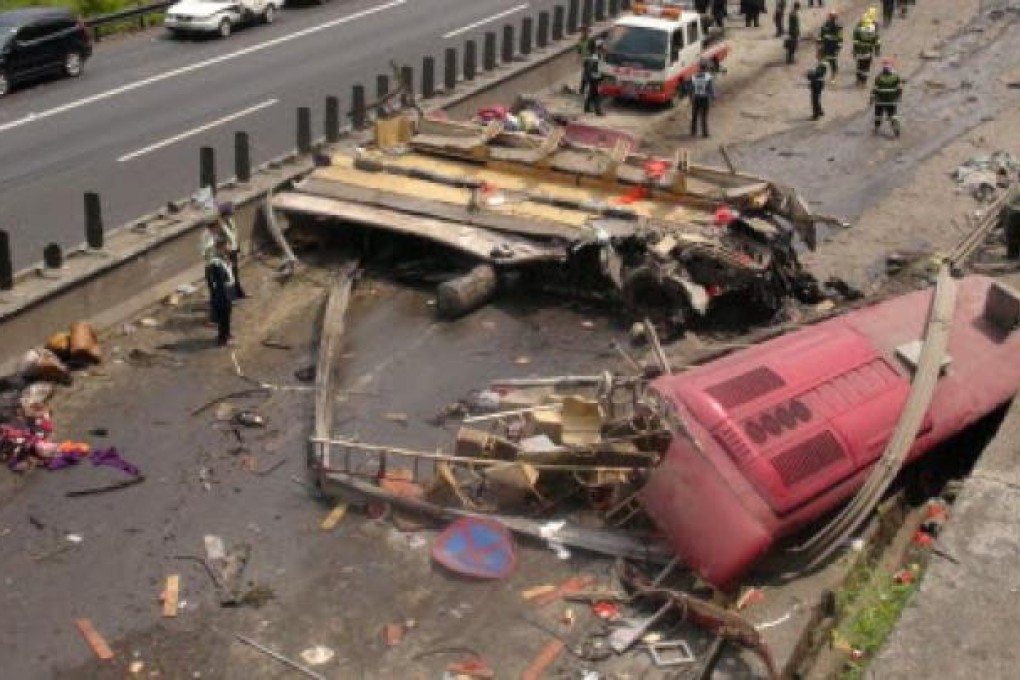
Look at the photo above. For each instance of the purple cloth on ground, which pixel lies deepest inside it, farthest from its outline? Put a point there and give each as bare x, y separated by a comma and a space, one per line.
111, 458
63, 460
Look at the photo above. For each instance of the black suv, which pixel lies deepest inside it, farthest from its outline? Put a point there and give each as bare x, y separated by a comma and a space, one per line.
41, 40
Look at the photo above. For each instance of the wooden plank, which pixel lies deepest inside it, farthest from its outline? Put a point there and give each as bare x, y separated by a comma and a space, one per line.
171, 595
546, 658
330, 340
413, 205
475, 241
96, 641
333, 518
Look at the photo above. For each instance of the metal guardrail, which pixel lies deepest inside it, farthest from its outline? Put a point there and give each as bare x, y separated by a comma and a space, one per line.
140, 13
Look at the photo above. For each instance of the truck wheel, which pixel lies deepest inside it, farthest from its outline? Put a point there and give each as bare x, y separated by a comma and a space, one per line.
225, 28
269, 15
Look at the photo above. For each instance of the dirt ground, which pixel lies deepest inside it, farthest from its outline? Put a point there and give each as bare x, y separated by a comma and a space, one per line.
340, 588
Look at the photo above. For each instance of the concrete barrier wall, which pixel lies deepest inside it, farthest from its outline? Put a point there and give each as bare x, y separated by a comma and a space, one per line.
146, 260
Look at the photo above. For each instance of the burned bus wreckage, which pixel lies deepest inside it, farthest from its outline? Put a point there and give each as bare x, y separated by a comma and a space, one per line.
574, 210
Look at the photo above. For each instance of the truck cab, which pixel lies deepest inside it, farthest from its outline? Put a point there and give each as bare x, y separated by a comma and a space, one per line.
651, 53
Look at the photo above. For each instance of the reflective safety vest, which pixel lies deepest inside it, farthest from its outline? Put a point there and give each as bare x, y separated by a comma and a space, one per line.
832, 37
866, 42
228, 273
701, 85
888, 88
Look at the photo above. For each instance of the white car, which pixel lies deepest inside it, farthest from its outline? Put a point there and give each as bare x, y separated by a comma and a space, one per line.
218, 16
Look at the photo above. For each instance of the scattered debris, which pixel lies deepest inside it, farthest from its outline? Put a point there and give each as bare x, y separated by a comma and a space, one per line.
96, 641
317, 655
171, 596
330, 521
546, 658
983, 176
249, 419
279, 657
393, 633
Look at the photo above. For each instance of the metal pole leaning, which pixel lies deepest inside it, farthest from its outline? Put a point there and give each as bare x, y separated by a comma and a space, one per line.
527, 29
304, 129
6, 262
359, 115
542, 37
242, 157
428, 77
559, 18
93, 221
508, 44
331, 121
470, 59
489, 51
207, 168
450, 69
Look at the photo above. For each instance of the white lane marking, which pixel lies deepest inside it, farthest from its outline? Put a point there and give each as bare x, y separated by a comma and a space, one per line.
198, 65
495, 17
195, 131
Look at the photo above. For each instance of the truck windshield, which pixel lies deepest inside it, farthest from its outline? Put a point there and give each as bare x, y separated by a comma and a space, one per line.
636, 46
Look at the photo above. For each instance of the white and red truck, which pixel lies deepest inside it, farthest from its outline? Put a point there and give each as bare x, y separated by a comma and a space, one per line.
652, 52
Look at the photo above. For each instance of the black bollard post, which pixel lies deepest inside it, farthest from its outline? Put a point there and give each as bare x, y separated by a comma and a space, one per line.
450, 70
93, 221
600, 10
470, 59
207, 168
572, 16
407, 83
508, 44
53, 256
6, 262
527, 29
242, 157
587, 12
304, 129
331, 122
559, 17
614, 7
489, 51
428, 77
359, 116
542, 38
382, 86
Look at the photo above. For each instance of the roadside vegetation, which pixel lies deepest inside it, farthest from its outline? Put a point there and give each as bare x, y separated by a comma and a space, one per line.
871, 603
84, 8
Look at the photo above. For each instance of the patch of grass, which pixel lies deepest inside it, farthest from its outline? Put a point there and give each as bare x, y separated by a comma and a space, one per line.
872, 603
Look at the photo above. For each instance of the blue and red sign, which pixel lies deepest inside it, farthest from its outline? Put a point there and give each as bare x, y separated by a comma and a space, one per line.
476, 547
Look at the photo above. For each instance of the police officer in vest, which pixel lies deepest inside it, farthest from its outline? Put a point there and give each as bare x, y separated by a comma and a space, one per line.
816, 82
702, 93
592, 79
886, 95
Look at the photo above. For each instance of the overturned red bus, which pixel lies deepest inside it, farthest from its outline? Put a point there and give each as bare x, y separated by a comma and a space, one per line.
769, 439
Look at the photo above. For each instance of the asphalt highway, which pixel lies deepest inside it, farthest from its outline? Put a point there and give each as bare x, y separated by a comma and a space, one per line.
131, 126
